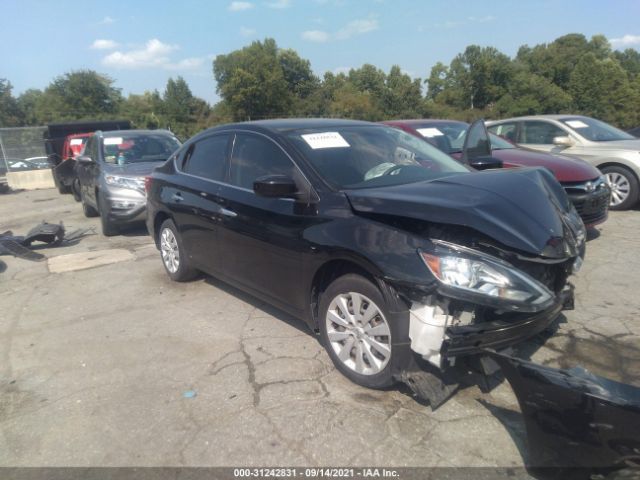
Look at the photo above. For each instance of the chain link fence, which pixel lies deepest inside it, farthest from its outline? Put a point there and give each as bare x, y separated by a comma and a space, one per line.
22, 149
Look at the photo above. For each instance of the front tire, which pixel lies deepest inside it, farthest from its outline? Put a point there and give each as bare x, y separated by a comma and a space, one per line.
624, 187
353, 320
109, 228
75, 190
174, 257
88, 210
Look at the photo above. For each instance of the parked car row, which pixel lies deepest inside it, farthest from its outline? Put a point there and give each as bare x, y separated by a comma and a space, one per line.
614, 152
585, 185
403, 245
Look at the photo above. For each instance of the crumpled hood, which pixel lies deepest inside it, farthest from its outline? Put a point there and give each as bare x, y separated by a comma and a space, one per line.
525, 209
140, 169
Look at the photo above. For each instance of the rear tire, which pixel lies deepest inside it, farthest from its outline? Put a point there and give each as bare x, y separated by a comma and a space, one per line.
174, 257
624, 187
357, 340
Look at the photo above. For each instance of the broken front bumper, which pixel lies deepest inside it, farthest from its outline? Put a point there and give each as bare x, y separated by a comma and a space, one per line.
470, 339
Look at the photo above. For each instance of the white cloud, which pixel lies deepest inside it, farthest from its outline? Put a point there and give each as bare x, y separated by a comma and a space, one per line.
351, 29
102, 44
318, 36
154, 54
357, 27
279, 4
192, 63
625, 41
247, 32
239, 6
107, 20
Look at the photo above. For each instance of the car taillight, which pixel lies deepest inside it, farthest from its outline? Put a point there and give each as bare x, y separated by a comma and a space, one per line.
147, 184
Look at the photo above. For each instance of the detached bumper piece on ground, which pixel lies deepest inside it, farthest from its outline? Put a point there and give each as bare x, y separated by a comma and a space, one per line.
578, 424
41, 236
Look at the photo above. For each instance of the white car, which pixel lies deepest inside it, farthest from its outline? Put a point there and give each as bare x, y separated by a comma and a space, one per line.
614, 152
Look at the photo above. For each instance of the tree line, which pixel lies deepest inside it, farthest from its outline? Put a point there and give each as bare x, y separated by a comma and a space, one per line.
572, 74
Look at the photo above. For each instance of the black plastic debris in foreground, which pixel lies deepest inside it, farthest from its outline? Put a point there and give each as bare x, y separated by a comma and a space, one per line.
41, 236
578, 424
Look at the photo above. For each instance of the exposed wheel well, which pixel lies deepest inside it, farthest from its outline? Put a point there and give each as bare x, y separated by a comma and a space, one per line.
157, 223
326, 274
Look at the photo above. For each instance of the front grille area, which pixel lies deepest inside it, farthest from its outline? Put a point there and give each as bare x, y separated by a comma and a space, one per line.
553, 276
591, 208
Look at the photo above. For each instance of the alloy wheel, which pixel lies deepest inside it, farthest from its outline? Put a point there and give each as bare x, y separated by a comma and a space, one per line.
359, 334
620, 187
170, 251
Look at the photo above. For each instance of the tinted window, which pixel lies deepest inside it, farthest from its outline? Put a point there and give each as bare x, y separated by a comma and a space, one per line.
540, 133
126, 148
207, 157
505, 130
254, 157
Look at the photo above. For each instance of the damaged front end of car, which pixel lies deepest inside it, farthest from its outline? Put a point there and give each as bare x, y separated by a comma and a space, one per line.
496, 249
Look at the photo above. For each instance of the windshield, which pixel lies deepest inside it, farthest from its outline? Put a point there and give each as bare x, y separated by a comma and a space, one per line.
372, 156
138, 147
449, 136
595, 130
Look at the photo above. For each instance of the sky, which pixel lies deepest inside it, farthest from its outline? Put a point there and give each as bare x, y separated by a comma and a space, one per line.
142, 43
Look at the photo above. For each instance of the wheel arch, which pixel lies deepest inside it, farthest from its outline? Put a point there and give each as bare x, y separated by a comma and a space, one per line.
160, 217
334, 268
616, 162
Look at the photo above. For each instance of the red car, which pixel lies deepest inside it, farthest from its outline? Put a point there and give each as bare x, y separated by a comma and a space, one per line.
583, 183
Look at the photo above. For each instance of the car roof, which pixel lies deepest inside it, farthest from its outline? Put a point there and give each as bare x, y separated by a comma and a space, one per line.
421, 121
115, 133
283, 125
561, 116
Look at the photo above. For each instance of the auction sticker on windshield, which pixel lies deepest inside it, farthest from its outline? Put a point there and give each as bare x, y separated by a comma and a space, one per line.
75, 141
113, 141
577, 124
430, 132
325, 140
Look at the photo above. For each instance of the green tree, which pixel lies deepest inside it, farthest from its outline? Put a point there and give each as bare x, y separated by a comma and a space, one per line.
601, 88
403, 95
83, 94
252, 82
10, 114
27, 103
531, 94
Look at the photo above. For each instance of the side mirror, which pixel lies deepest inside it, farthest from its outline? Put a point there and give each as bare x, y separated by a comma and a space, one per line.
563, 142
275, 186
485, 163
84, 159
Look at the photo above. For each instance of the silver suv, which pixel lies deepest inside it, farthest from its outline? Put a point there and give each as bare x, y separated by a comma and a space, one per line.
614, 152
111, 172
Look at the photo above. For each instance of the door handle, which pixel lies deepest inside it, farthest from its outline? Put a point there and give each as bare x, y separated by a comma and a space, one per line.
177, 197
228, 213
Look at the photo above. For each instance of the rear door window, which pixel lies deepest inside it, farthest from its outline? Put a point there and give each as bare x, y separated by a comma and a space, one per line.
207, 158
540, 133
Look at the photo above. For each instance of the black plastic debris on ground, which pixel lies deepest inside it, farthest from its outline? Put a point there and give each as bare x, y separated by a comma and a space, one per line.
45, 235
578, 424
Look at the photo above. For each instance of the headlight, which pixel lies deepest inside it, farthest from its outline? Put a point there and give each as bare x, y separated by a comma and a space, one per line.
125, 182
470, 275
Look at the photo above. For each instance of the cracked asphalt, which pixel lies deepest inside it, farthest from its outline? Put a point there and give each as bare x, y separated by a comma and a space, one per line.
116, 365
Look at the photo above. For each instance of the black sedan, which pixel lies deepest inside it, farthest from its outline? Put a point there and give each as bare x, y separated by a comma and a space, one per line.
397, 255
